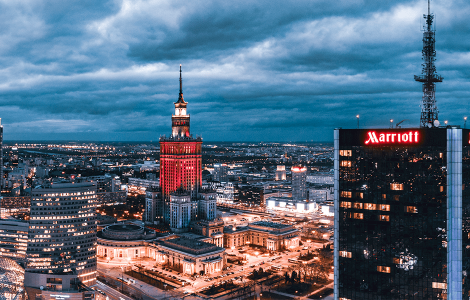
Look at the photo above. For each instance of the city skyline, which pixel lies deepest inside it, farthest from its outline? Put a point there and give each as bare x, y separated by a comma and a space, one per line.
251, 71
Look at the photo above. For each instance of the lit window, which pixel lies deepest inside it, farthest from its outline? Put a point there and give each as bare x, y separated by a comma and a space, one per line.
384, 207
384, 218
358, 216
411, 209
383, 269
441, 188
397, 261
346, 163
357, 205
345, 152
345, 204
439, 285
384, 196
396, 186
346, 194
345, 254
369, 206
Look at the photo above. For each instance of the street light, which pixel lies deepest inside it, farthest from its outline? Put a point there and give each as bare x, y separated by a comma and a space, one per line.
391, 123
357, 116
465, 122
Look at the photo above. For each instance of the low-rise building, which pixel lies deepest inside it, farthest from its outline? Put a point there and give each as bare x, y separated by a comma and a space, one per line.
270, 235
187, 255
124, 241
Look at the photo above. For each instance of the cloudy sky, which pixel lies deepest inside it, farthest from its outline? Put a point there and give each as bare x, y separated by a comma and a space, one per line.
261, 70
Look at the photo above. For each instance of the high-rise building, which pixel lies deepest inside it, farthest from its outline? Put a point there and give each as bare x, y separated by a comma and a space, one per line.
61, 252
299, 178
153, 206
180, 156
281, 172
220, 172
402, 213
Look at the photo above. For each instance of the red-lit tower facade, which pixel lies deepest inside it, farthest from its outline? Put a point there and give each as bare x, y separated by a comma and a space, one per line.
180, 157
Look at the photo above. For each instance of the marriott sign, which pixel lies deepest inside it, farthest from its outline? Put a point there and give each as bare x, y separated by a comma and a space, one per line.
390, 137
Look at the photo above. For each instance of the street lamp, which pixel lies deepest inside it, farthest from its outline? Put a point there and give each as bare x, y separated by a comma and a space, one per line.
465, 122
391, 123
357, 116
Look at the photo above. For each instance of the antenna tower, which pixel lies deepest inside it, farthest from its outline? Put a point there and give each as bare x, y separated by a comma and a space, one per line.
428, 76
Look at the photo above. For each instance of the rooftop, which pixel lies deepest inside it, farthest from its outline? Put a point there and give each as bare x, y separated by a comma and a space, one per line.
190, 245
270, 224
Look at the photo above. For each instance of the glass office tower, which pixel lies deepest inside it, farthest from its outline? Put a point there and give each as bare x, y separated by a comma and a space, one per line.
402, 213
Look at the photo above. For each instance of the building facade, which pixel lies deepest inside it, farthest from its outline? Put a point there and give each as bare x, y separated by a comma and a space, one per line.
153, 206
61, 251
188, 256
124, 242
14, 239
402, 213
281, 172
220, 173
269, 235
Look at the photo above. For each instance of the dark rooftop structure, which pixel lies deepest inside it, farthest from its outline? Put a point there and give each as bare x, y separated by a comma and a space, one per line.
189, 245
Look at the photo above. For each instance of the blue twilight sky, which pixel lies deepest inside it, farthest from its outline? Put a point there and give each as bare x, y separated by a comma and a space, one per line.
262, 70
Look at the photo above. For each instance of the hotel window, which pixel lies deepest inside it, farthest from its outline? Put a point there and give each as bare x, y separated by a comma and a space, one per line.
383, 269
369, 206
358, 216
411, 209
396, 186
345, 254
396, 197
357, 205
384, 207
346, 194
385, 218
345, 204
346, 163
397, 261
345, 152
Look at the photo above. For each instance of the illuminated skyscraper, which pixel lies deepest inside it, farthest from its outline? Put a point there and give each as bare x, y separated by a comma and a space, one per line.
299, 177
180, 157
402, 213
61, 252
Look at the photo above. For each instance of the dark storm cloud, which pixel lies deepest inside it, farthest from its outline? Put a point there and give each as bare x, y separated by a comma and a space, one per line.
252, 70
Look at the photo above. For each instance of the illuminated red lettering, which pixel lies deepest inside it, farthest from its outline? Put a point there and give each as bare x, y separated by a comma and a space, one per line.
405, 137
374, 137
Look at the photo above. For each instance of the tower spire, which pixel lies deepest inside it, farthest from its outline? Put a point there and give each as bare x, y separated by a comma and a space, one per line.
428, 75
180, 98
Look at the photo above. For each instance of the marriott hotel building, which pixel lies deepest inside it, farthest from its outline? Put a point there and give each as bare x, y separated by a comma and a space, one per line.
402, 213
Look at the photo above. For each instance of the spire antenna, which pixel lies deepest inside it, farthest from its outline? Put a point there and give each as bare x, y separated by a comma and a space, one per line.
429, 112
181, 82
180, 97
